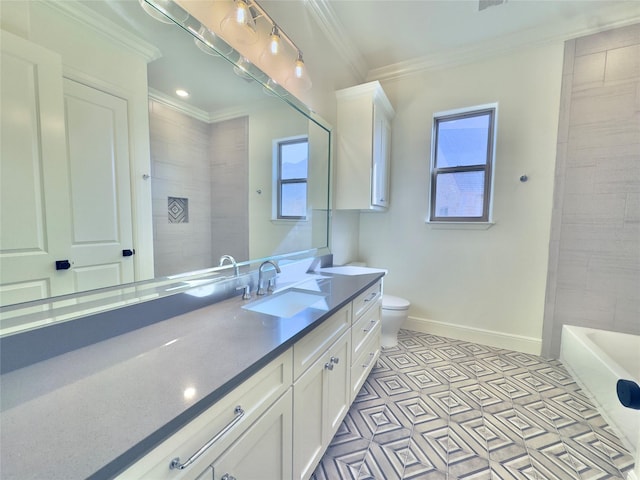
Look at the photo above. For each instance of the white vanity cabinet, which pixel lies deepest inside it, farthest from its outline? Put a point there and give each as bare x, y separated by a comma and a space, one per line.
279, 422
321, 391
255, 415
363, 135
264, 450
365, 336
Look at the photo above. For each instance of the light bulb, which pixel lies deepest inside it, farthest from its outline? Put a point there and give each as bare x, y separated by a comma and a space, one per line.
274, 59
299, 68
239, 24
299, 78
242, 12
274, 41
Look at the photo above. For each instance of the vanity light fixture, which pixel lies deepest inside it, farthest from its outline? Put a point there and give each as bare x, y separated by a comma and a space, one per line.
239, 24
154, 12
270, 89
274, 41
299, 78
241, 69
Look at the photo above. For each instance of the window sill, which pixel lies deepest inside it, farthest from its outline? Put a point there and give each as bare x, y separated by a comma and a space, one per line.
285, 221
460, 225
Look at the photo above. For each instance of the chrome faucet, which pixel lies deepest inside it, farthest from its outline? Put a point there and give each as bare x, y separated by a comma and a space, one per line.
236, 269
261, 289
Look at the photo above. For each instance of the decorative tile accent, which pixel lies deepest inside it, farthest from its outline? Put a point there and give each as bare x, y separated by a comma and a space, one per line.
178, 210
435, 408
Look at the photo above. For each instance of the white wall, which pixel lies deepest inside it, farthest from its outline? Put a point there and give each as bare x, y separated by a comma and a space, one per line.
266, 236
481, 285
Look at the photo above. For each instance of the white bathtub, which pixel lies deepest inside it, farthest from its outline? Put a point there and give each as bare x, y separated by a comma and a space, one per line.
597, 359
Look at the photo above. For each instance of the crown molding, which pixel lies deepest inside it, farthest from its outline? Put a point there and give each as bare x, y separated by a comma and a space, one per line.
331, 26
204, 116
115, 33
179, 106
622, 16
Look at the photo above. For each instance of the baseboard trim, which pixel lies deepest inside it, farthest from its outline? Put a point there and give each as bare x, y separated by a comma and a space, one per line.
509, 341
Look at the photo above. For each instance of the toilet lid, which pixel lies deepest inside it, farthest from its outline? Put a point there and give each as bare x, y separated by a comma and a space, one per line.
389, 302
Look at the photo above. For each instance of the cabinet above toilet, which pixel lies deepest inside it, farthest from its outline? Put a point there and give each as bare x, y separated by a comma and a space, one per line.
363, 156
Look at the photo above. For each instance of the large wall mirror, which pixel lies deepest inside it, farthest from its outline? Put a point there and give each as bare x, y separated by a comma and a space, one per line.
109, 177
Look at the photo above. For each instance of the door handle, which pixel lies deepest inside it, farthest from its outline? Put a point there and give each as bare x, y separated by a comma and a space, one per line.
128, 253
63, 265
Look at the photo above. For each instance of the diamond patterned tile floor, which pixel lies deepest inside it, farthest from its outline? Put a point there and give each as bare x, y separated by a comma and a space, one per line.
438, 408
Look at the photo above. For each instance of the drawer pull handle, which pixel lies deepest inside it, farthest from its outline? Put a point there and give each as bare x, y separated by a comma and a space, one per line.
175, 463
371, 296
371, 355
371, 324
328, 366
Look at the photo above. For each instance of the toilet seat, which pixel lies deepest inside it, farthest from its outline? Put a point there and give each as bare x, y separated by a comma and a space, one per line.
389, 302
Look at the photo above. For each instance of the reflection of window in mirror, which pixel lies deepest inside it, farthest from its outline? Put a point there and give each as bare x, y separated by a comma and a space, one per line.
291, 171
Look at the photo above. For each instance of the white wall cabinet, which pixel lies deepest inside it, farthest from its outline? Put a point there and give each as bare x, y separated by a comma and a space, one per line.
363, 158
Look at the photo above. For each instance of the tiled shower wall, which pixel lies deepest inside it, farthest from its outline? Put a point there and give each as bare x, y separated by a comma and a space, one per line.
179, 168
594, 261
229, 188
207, 165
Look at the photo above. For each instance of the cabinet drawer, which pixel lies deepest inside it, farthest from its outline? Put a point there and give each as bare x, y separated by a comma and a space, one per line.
364, 328
366, 300
308, 349
254, 396
363, 364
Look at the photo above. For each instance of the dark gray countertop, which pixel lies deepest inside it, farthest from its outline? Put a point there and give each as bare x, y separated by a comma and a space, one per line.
93, 411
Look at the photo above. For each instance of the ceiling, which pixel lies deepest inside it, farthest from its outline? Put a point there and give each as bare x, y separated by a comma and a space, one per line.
377, 39
346, 42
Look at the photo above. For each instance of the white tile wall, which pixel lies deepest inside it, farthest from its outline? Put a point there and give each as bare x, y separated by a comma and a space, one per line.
594, 262
208, 165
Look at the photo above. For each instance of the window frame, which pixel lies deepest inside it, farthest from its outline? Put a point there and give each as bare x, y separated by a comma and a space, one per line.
488, 168
278, 181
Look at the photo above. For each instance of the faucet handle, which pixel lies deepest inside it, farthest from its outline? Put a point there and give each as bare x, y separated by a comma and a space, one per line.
271, 286
246, 294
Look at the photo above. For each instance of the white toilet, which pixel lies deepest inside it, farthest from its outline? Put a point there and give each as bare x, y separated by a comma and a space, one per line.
394, 313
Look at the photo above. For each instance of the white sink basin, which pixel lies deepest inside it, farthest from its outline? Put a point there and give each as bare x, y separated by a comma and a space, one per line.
288, 303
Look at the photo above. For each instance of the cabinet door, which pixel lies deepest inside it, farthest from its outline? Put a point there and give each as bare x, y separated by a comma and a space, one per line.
380, 159
321, 400
35, 225
100, 186
264, 450
338, 385
308, 419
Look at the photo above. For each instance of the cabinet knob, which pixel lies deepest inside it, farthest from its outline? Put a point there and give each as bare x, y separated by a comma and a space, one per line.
335, 360
328, 366
226, 476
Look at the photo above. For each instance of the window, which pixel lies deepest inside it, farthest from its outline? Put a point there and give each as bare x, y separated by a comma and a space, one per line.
462, 155
291, 173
